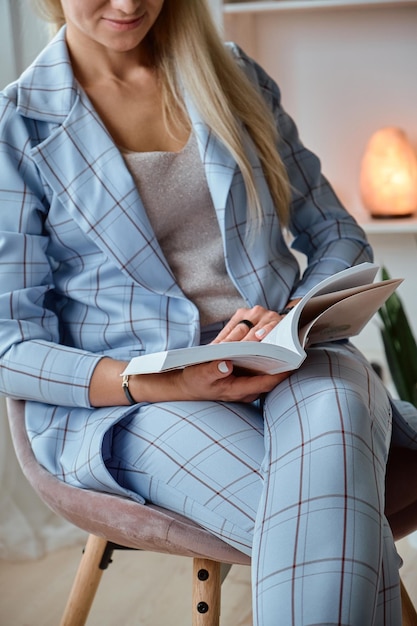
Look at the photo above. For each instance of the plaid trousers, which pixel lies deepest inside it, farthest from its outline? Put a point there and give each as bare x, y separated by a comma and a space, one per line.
297, 483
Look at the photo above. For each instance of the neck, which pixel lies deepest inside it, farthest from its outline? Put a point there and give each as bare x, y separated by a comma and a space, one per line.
93, 63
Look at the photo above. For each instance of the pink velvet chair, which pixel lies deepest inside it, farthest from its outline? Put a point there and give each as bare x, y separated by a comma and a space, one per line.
113, 521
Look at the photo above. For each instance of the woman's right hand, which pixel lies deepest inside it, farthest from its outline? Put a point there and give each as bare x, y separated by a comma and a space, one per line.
215, 381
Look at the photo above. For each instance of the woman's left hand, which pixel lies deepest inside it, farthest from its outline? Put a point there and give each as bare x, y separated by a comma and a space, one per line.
249, 325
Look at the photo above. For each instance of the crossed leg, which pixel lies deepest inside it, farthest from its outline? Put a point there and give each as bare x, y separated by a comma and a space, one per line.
299, 486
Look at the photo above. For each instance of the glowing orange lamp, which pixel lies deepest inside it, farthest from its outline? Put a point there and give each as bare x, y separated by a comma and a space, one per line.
388, 178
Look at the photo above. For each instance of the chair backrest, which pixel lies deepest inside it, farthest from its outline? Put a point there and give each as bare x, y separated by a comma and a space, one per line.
119, 520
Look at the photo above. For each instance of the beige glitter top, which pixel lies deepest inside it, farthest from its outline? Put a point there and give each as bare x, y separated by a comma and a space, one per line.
176, 197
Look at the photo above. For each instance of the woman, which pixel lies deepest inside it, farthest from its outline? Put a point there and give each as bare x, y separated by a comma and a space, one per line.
148, 173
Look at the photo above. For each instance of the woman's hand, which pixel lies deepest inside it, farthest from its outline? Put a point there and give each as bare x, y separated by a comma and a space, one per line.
218, 381
250, 324
215, 381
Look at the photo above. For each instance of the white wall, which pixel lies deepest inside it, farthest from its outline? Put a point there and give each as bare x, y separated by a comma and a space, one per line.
344, 73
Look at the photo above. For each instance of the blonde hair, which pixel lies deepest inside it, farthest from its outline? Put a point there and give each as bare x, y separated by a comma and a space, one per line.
51, 11
189, 53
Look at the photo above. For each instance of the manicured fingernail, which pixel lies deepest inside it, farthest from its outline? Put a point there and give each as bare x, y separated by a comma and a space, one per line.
223, 367
260, 333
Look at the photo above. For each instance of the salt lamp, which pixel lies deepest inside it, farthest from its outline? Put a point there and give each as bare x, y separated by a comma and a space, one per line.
388, 178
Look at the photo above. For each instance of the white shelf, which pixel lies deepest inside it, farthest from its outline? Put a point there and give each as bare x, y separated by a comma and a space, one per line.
294, 5
386, 226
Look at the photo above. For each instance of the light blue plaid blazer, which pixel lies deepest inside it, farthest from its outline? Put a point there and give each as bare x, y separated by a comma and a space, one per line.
82, 275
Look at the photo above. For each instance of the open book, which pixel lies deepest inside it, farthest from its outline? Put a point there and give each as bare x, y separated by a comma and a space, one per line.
337, 308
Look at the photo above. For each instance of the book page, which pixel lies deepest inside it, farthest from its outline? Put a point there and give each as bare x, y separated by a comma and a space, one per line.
318, 303
328, 291
347, 317
285, 332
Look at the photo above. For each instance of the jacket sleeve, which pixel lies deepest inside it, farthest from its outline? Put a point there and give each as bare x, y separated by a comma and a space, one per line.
32, 363
321, 227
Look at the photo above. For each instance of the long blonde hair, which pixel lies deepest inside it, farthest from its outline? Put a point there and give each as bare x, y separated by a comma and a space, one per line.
189, 53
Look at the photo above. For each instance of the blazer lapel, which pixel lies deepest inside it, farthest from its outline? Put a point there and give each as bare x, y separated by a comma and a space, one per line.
248, 265
219, 164
95, 187
90, 179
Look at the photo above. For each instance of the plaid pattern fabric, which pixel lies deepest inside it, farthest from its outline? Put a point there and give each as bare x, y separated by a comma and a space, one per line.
82, 275
299, 486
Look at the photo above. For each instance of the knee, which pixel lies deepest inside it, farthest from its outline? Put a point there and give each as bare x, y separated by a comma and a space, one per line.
322, 407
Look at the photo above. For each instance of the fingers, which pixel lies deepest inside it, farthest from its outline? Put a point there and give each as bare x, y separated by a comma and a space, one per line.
217, 381
249, 325
224, 368
250, 388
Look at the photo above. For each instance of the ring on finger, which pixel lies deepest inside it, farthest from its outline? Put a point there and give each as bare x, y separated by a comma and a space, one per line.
247, 323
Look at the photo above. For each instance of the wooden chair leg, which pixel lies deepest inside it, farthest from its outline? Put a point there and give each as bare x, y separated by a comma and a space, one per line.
86, 583
206, 592
409, 614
